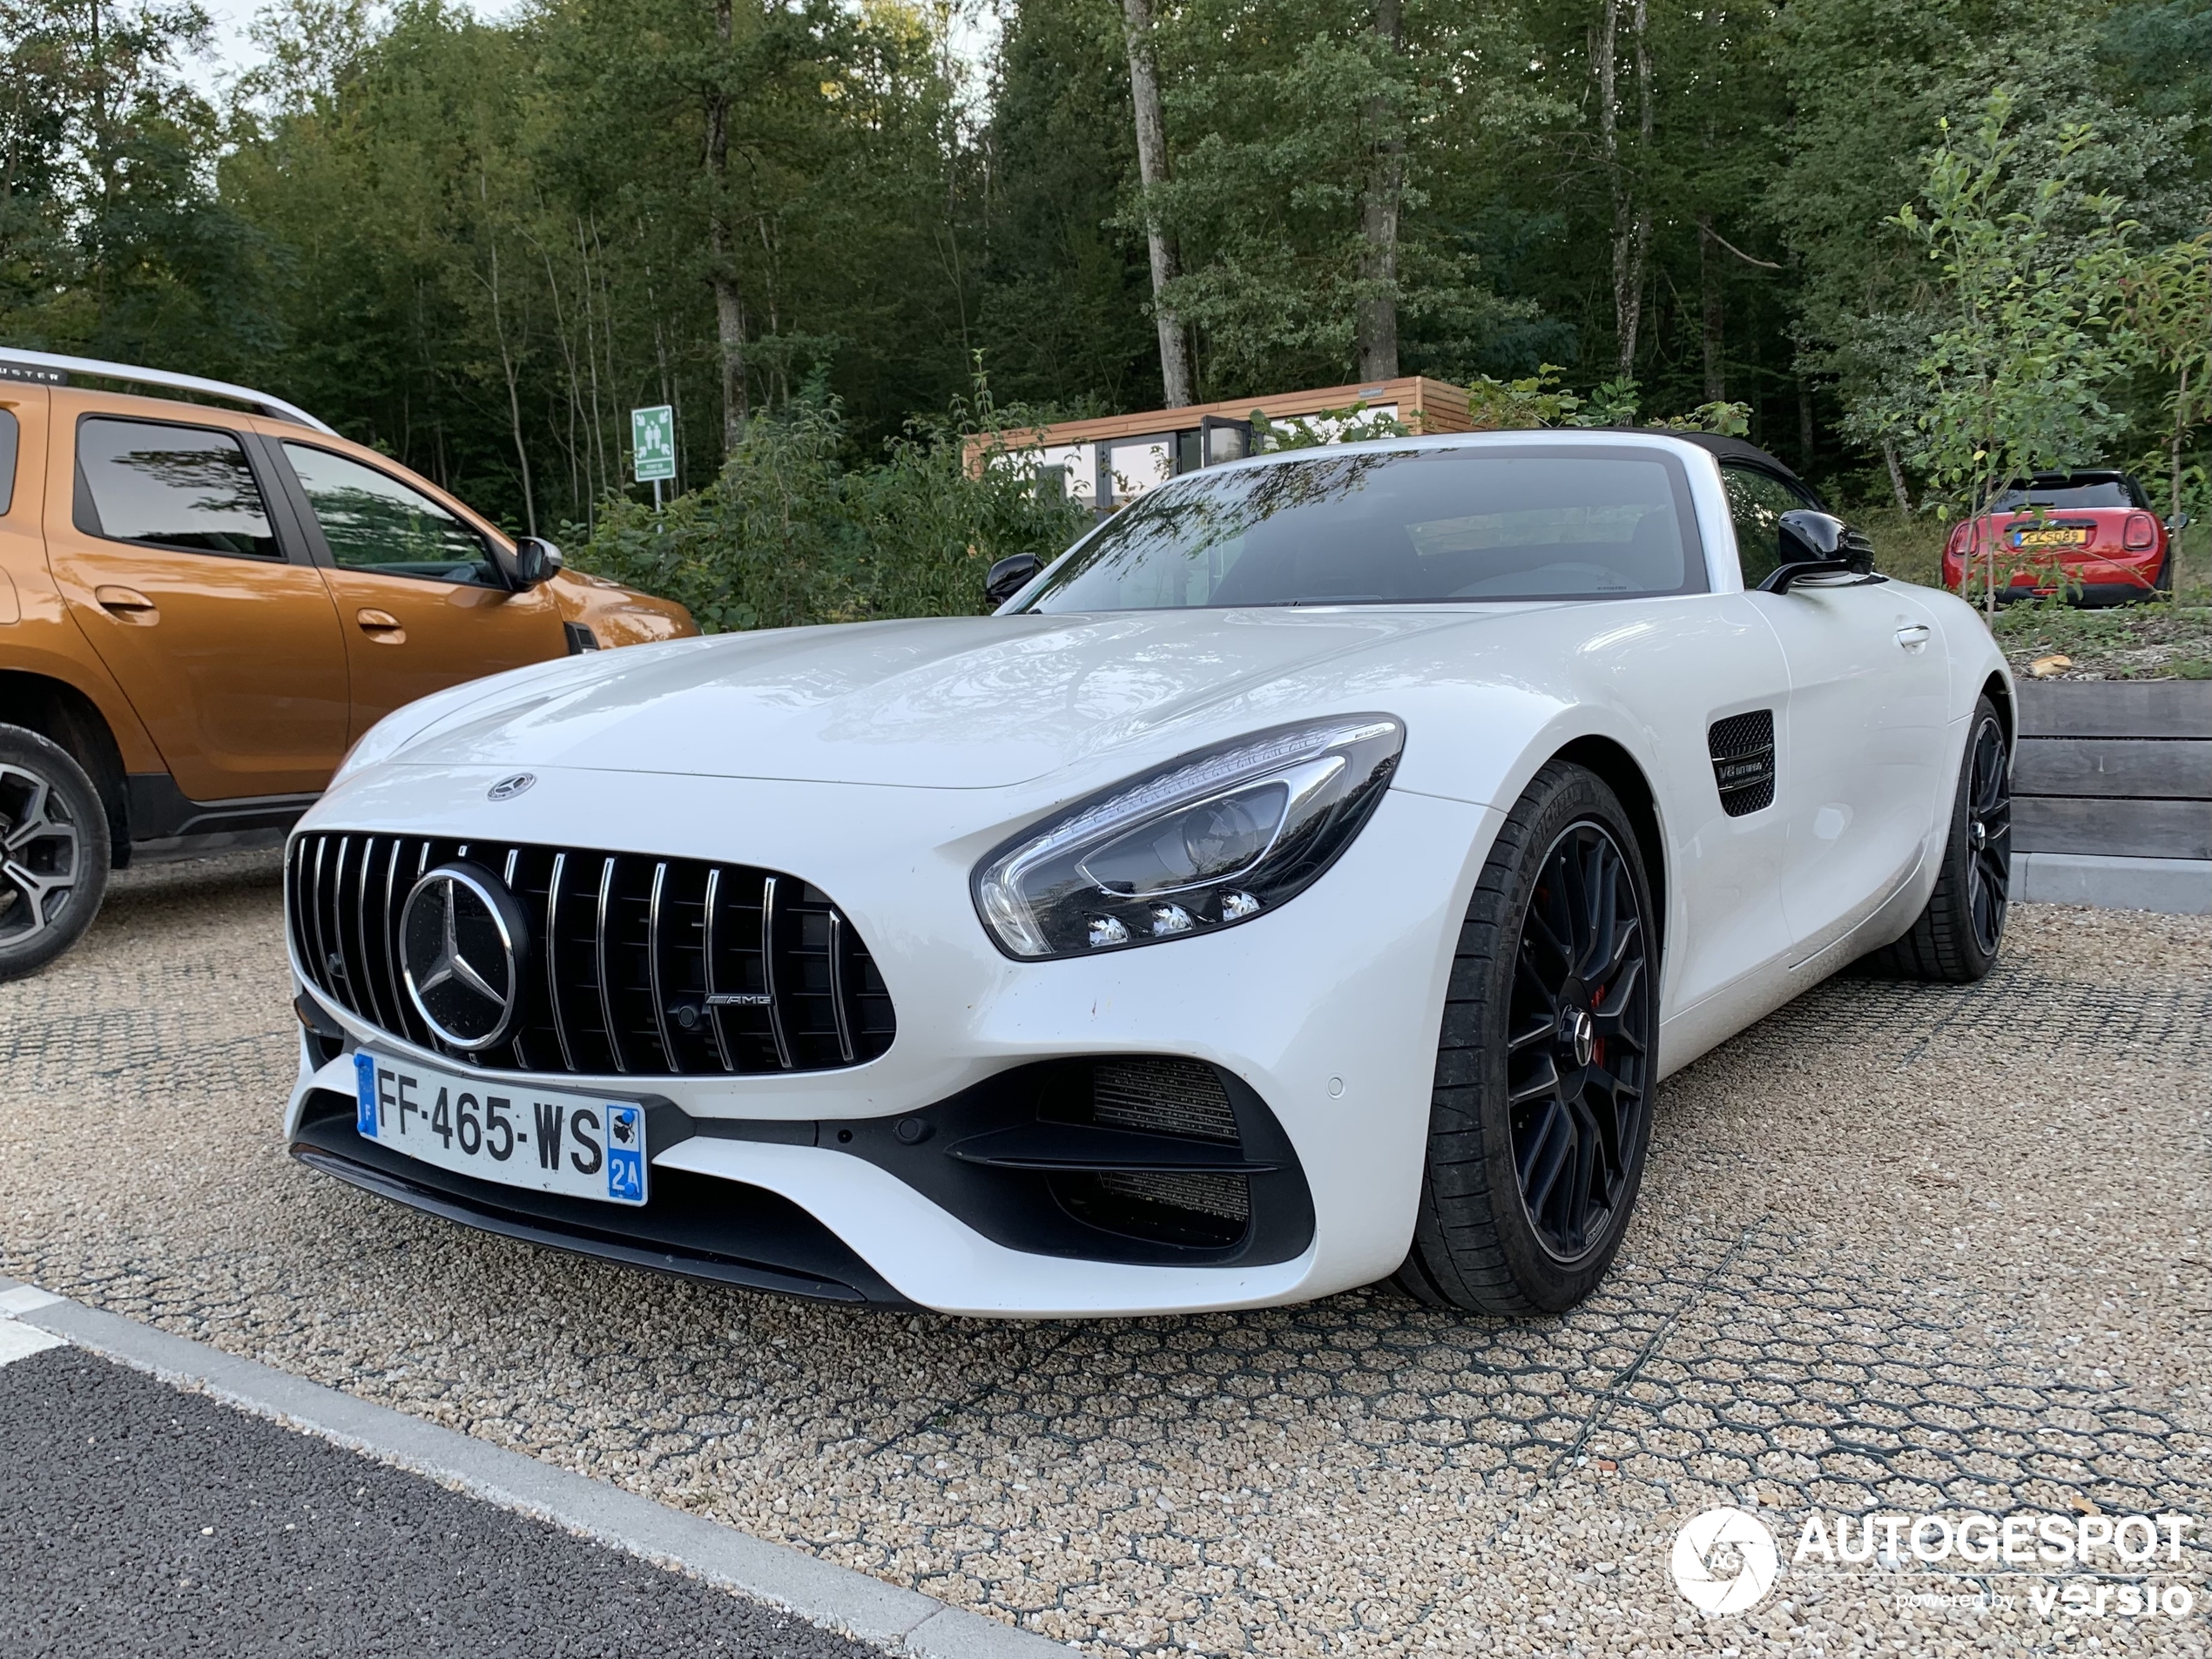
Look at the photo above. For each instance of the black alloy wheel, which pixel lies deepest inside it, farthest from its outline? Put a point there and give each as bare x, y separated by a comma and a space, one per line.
1579, 1058
53, 851
1989, 835
1542, 1112
1957, 937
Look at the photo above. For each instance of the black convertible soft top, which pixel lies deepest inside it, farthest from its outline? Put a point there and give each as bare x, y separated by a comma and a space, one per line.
1736, 450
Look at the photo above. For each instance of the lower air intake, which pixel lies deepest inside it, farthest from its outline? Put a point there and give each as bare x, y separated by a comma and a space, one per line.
1183, 1099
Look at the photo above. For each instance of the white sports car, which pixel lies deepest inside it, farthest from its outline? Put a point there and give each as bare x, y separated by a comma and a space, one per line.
1308, 878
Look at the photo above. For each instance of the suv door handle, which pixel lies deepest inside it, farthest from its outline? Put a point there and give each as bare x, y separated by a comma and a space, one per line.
1912, 636
381, 626
127, 604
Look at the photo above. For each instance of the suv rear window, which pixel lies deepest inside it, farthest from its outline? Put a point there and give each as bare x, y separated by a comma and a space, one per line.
184, 487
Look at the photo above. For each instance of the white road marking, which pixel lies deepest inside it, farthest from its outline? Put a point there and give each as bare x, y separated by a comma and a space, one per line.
21, 1341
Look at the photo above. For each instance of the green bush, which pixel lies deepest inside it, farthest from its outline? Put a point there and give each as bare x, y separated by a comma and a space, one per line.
791, 533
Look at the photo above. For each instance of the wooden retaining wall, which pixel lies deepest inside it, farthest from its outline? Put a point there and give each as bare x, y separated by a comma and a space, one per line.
2119, 768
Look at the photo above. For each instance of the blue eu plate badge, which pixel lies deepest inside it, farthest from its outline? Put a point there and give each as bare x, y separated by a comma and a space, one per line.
365, 1094
626, 1153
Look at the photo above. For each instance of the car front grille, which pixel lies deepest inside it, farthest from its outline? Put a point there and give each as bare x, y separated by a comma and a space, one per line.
632, 964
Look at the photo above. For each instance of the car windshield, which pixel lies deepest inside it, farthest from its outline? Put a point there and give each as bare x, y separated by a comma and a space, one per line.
2066, 492
1397, 527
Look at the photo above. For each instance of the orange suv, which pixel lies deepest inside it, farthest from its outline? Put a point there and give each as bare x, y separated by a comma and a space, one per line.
202, 610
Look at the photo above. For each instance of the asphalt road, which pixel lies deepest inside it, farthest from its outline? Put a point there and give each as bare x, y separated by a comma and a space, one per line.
139, 1520
1899, 1247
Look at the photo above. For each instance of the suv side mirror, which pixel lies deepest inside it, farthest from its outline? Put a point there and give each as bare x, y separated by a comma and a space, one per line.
1009, 576
531, 564
1817, 543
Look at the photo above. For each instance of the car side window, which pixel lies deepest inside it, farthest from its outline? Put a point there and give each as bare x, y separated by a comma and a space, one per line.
1757, 500
10, 442
373, 521
185, 487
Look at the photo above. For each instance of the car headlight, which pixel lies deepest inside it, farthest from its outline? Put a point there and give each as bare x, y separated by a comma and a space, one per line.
1205, 842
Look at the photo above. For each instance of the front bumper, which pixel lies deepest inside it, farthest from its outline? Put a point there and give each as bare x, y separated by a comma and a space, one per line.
1323, 1013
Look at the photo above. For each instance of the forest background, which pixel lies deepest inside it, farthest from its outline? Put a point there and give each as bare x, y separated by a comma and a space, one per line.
836, 237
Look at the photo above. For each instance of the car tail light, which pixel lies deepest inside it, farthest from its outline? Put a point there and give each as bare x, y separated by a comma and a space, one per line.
2141, 532
1956, 546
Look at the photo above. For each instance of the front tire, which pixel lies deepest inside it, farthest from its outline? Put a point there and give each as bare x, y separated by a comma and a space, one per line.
1541, 1107
54, 851
1957, 938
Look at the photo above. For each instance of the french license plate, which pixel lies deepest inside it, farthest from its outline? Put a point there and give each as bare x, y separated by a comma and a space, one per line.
578, 1145
2058, 535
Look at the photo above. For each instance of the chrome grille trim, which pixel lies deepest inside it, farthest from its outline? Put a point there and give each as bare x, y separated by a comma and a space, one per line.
631, 945
768, 972
707, 935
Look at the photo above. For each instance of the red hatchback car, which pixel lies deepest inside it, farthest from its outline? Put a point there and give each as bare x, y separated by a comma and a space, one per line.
2091, 529
2095, 530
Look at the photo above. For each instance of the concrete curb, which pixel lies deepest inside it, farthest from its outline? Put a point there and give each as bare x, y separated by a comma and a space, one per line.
903, 1622
2171, 886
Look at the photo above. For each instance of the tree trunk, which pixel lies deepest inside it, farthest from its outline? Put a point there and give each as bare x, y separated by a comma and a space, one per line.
1377, 319
729, 299
1711, 314
1631, 219
1152, 172
1804, 425
2181, 431
1896, 477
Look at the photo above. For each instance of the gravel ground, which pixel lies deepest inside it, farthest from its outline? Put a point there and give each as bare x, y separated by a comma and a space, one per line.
1900, 1247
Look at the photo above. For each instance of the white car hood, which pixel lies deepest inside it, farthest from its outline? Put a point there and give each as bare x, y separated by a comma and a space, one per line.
952, 702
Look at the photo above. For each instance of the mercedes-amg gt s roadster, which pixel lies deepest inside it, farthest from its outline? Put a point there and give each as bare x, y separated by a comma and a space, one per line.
1307, 878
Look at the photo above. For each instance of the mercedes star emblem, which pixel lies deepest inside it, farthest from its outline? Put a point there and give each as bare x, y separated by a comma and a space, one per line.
460, 953
508, 788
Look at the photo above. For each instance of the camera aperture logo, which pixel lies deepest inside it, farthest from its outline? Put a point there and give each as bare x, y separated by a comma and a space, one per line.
1724, 1561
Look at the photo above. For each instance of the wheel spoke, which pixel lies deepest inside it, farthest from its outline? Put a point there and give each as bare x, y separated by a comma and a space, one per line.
1546, 1156
1543, 1079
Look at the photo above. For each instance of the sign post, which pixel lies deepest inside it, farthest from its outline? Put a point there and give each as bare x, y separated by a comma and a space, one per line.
652, 447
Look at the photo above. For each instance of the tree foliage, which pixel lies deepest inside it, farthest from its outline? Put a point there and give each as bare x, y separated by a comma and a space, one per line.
479, 243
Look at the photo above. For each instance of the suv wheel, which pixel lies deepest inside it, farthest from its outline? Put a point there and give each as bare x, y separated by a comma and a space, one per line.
1541, 1107
54, 851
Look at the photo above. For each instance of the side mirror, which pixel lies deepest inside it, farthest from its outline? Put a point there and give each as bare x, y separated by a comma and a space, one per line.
2179, 522
1817, 543
1009, 576
531, 564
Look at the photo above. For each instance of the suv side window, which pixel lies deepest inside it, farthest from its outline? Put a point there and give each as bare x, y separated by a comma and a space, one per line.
1757, 500
374, 522
184, 487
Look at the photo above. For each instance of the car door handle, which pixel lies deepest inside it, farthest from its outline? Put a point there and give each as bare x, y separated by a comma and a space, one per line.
127, 604
381, 626
1912, 636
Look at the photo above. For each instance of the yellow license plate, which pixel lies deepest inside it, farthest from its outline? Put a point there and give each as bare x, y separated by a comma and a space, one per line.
2061, 537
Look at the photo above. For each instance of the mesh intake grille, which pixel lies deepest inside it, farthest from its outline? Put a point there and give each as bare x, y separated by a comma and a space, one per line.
633, 964
1742, 747
1162, 1097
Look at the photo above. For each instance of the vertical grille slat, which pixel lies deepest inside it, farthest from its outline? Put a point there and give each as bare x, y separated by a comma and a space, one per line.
776, 1022
643, 966
655, 943
551, 950
599, 960
715, 1014
839, 1008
